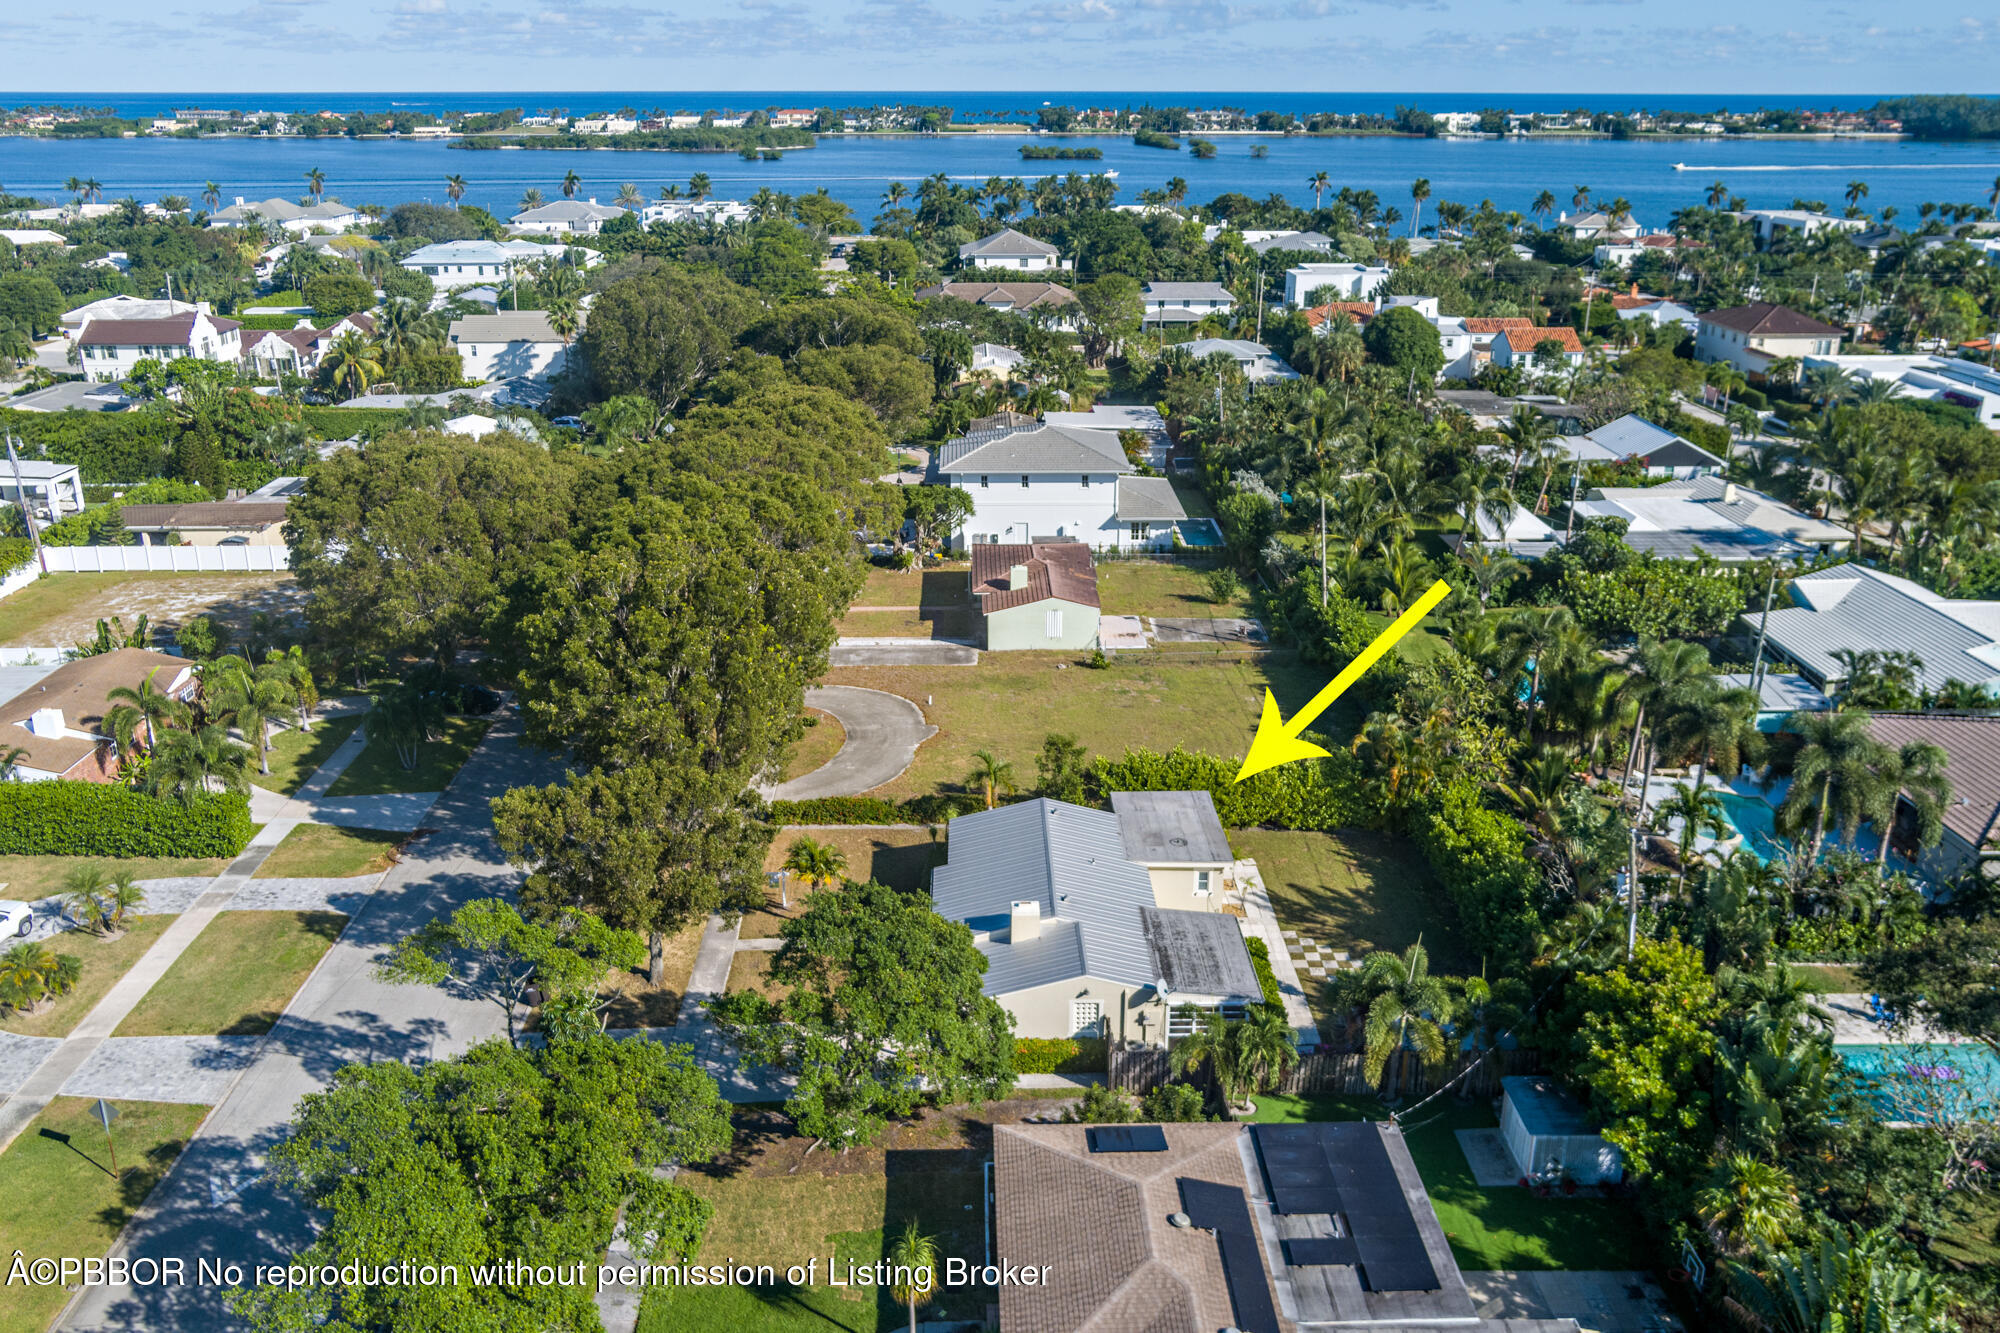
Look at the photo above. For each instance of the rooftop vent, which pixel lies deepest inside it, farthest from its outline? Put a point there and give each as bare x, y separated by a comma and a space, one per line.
1179, 1220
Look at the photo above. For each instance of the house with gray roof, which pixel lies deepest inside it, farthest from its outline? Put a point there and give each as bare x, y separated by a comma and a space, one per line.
1259, 364
1100, 923
1035, 483
1854, 607
509, 345
298, 219
565, 217
1633, 438
1010, 249
1185, 302
1680, 519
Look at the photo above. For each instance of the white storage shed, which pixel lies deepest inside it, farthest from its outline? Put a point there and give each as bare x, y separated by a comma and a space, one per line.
1549, 1135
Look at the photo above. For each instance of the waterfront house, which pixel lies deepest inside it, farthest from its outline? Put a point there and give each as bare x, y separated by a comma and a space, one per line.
565, 217
1009, 249
299, 219
1772, 224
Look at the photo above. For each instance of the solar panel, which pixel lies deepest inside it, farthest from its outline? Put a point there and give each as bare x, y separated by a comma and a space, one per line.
1249, 1295
1214, 1207
1344, 1168
1126, 1138
1410, 1270
1320, 1251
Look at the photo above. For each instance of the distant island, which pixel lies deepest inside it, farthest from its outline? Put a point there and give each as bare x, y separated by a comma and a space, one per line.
693, 139
1045, 153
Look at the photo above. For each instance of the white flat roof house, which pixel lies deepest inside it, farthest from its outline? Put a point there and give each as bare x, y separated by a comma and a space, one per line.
1945, 379
31, 236
1353, 282
695, 210
513, 344
1259, 364
565, 217
300, 219
53, 489
1010, 249
996, 359
1773, 223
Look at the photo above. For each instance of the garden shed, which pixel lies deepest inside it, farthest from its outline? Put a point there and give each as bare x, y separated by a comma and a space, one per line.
1548, 1134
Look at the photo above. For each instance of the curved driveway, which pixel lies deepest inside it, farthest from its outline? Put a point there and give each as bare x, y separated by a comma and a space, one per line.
883, 733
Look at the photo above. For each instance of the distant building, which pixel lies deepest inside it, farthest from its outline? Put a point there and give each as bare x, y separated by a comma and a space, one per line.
299, 219
1349, 282
1010, 249
565, 217
1185, 302
1051, 300
1773, 223
1700, 514
111, 348
452, 264
51, 490
1971, 385
1259, 364
1518, 346
241, 522
508, 345
1750, 337
695, 210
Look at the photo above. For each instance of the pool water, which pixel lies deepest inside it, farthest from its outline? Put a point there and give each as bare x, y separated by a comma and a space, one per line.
1968, 1074
1200, 532
1757, 822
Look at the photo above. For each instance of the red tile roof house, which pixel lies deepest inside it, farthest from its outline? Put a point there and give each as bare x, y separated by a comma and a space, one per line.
110, 348
58, 722
1516, 347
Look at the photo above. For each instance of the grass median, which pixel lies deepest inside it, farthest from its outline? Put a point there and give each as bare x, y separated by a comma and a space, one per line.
237, 976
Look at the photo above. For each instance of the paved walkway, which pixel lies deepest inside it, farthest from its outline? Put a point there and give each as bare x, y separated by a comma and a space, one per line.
195, 1070
712, 1050
902, 652
883, 733
1260, 921
214, 1204
1608, 1301
397, 812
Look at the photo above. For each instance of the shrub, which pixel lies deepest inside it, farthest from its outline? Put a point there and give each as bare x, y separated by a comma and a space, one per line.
1174, 1103
1479, 855
15, 552
1320, 794
1102, 1105
1059, 1055
99, 819
1267, 979
934, 809
334, 294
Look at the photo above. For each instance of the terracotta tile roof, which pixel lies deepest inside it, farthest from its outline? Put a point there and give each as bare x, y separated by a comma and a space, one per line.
1763, 319
1497, 325
1527, 339
1099, 1221
80, 689
1363, 311
1055, 569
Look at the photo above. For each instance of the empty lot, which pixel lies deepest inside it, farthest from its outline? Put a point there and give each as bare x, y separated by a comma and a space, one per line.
61, 609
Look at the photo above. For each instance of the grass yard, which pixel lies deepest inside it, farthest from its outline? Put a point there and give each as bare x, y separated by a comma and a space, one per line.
315, 851
237, 976
898, 604
1832, 978
1011, 701
750, 969
1505, 1227
1158, 588
899, 857
60, 609
822, 741
376, 771
30, 877
634, 1002
1193, 498
296, 755
61, 1196
104, 961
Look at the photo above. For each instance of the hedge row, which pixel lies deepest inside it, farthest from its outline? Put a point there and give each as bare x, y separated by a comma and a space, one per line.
1320, 795
1267, 978
100, 819
935, 809
1060, 1055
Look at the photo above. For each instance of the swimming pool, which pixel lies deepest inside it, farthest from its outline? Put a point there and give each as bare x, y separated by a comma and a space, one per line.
1756, 820
1915, 1083
1200, 532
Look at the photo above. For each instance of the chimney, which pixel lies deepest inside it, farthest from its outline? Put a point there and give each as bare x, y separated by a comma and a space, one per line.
49, 722
239, 201
1017, 577
1729, 492
1024, 920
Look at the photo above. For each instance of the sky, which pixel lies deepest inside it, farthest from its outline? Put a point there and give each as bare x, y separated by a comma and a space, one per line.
1726, 47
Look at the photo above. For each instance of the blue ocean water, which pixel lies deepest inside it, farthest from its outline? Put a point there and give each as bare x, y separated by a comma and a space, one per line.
856, 170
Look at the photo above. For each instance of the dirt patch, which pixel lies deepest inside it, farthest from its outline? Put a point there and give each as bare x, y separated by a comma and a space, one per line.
767, 1144
74, 603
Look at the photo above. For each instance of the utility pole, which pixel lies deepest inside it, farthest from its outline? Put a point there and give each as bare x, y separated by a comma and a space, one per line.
27, 509
1632, 874
1575, 479
1260, 305
1763, 629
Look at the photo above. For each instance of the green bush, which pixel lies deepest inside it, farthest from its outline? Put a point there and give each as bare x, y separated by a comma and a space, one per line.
869, 810
1755, 399
15, 552
1060, 1055
100, 819
1267, 979
1480, 856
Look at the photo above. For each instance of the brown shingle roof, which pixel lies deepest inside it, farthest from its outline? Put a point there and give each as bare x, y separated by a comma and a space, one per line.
1973, 747
1021, 295
1099, 1221
1763, 319
80, 689
1055, 569
205, 514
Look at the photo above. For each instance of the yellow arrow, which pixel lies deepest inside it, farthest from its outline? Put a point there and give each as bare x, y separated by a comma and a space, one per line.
1278, 741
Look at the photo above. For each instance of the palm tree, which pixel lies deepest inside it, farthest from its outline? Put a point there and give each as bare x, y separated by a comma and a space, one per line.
1246, 1056
316, 183
251, 699
1541, 639
1668, 672
913, 1260
10, 756
352, 363
1420, 190
817, 863
565, 317
211, 193
571, 183
1839, 768
1917, 777
1856, 192
403, 717
1544, 205
991, 776
1700, 811
29, 974
189, 763
290, 666
1752, 1204
1714, 723
144, 705
93, 189
1403, 1007
1527, 431
1580, 198
699, 186
454, 189
530, 198
1718, 194
894, 196
629, 196
81, 897
1319, 185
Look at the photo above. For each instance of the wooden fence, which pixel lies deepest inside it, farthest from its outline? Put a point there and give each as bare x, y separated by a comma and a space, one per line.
1140, 1071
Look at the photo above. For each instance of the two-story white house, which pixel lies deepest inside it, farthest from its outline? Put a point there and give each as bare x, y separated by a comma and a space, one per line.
695, 210
1009, 249
299, 219
1516, 347
565, 217
1185, 302
1036, 482
1772, 224
1349, 282
109, 348
451, 264
1750, 337
1259, 364
512, 344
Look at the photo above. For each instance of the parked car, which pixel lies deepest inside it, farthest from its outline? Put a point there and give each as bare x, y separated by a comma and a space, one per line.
16, 918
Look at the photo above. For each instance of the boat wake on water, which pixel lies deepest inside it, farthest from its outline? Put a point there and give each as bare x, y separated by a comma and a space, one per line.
1873, 166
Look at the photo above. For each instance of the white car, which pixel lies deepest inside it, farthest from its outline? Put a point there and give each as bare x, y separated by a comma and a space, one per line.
16, 918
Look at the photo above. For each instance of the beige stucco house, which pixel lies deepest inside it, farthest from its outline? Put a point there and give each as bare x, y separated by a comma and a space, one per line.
1100, 923
1750, 337
1036, 595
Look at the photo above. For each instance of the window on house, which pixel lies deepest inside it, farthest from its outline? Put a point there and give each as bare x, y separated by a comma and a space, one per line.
1024, 481
1139, 532
985, 481
1084, 479
1201, 881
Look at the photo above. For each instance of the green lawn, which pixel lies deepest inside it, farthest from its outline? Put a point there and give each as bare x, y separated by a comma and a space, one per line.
905, 604
62, 1198
296, 755
1157, 588
376, 771
899, 857
1011, 701
30, 877
237, 976
1193, 498
313, 851
1507, 1227
1356, 890
787, 1220
821, 741
104, 961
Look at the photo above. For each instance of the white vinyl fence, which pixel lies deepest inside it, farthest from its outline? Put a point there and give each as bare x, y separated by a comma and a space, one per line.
167, 559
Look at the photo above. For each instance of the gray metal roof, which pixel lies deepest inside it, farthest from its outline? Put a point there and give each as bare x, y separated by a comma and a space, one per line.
570, 210
507, 326
1188, 291
1293, 240
1852, 606
1034, 449
1780, 693
1070, 861
1168, 827
1148, 499
1006, 241
1199, 953
1633, 436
